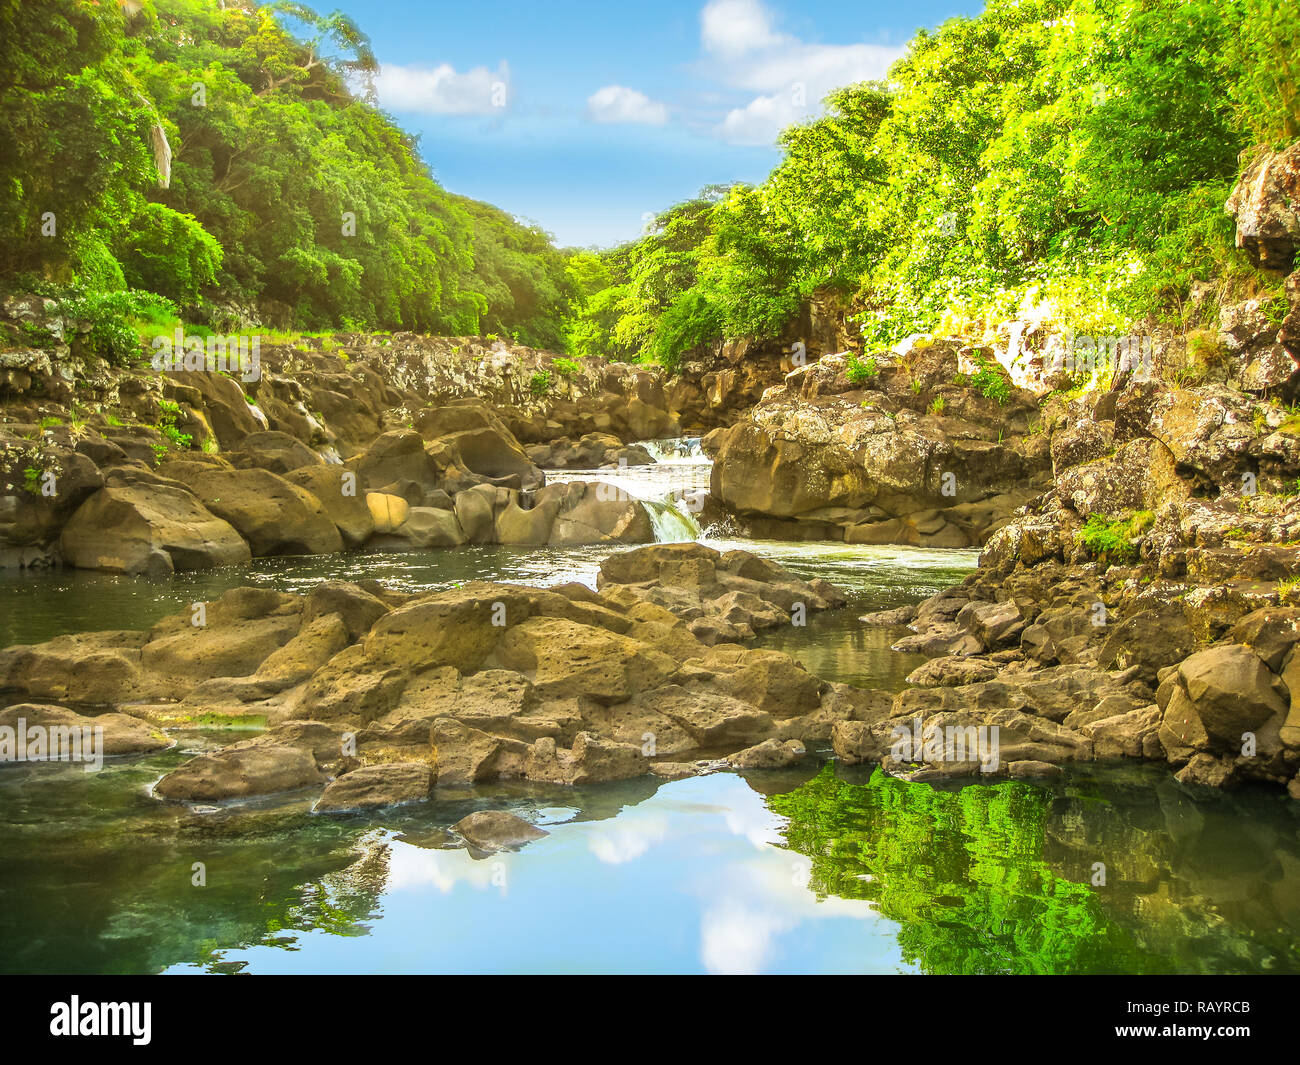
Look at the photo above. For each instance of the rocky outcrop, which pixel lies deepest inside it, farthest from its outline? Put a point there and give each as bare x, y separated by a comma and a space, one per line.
1266, 204
593, 451
386, 784
725, 596
1142, 604
268, 450
464, 478
898, 448
370, 693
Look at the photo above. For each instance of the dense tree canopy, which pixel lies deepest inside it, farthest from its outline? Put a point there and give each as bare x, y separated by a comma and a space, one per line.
1073, 153
287, 191
1076, 152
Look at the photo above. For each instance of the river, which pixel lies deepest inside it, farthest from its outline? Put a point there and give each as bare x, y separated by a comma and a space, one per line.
820, 869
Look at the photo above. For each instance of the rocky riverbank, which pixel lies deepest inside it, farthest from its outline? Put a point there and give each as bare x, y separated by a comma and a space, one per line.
327, 444
1144, 605
377, 697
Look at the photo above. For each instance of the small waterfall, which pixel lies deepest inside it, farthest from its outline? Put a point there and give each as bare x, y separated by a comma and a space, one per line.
673, 489
673, 523
675, 449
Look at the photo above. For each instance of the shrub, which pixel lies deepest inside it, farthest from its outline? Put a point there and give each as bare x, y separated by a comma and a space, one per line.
860, 371
109, 316
991, 382
540, 383
1112, 541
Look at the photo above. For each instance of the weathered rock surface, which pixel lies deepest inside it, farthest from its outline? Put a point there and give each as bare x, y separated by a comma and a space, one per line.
904, 455
1266, 204
152, 529
479, 682
118, 733
387, 784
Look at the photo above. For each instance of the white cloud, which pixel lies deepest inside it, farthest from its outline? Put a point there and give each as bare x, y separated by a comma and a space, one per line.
792, 76
442, 90
733, 27
759, 121
617, 103
627, 838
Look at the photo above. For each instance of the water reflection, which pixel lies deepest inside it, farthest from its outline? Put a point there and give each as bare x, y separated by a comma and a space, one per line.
819, 869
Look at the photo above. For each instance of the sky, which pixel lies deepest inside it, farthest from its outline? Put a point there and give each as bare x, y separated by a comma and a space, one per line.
589, 116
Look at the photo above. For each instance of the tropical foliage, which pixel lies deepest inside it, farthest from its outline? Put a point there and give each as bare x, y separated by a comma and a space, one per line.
1073, 153
288, 192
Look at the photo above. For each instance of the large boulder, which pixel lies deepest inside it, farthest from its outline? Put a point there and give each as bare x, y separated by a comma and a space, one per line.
394, 459
230, 413
344, 503
253, 767
275, 451
1221, 693
595, 513
153, 529
274, 516
834, 466
97, 668
480, 442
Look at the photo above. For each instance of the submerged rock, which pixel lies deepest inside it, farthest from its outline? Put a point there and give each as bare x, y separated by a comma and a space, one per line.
492, 830
117, 733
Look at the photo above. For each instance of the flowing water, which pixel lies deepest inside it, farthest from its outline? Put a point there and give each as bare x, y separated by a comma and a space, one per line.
819, 869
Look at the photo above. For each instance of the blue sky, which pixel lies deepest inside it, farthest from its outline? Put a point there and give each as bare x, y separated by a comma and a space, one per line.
587, 117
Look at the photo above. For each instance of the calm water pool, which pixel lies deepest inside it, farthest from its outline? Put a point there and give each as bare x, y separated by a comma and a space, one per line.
820, 870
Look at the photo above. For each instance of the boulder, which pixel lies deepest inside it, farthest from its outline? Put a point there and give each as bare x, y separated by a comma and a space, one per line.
1221, 693
592, 760
387, 512
387, 784
770, 754
149, 529
273, 515
253, 767
278, 452
394, 458
493, 830
358, 608
343, 502
118, 733
1264, 202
